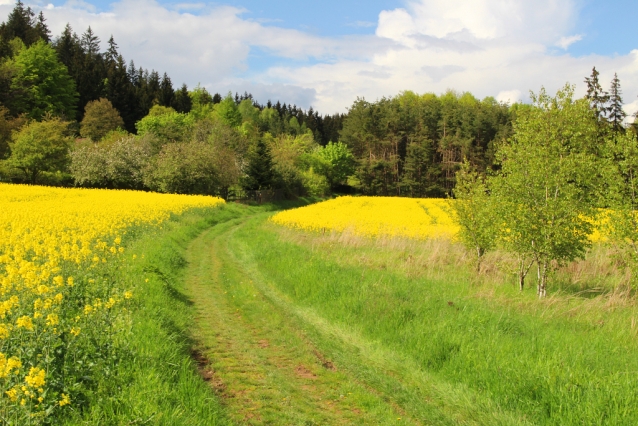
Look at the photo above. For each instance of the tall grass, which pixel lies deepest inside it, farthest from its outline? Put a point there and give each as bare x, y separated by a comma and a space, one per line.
569, 359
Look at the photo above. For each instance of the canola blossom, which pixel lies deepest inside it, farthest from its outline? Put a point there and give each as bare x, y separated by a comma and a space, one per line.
418, 218
57, 299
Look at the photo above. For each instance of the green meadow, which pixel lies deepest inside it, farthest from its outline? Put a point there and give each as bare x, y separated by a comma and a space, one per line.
246, 322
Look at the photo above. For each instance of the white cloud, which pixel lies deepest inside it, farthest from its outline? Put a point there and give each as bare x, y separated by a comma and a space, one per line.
509, 96
487, 47
565, 42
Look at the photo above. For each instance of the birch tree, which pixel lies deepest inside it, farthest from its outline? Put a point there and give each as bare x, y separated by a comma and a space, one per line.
549, 177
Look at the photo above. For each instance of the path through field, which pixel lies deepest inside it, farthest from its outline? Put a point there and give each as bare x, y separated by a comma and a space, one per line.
274, 363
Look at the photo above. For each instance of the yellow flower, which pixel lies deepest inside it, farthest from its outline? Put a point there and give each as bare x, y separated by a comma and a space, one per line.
69, 281
75, 331
65, 400
25, 322
88, 309
52, 319
4, 331
36, 377
12, 394
128, 294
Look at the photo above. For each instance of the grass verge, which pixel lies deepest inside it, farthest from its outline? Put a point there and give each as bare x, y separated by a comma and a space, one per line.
156, 381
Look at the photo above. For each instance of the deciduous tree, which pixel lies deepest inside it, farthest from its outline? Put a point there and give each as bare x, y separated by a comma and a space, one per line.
100, 117
548, 181
44, 83
40, 147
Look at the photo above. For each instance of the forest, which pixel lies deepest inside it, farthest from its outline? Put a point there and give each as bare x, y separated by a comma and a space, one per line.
111, 124
73, 115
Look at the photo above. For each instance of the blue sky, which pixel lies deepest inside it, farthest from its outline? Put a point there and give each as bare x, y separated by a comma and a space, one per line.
327, 53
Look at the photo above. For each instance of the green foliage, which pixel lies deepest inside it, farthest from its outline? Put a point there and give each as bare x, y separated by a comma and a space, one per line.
115, 164
228, 112
100, 118
248, 111
184, 168
341, 162
620, 221
259, 172
167, 124
414, 144
315, 184
40, 147
43, 82
474, 212
7, 126
546, 187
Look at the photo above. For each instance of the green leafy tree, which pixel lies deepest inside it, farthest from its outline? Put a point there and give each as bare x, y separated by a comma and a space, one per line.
620, 221
548, 182
228, 112
341, 163
474, 212
184, 168
44, 83
118, 164
100, 117
167, 124
7, 126
40, 147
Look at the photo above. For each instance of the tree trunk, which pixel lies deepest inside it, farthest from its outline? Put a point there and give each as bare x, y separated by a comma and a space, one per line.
521, 275
542, 283
480, 251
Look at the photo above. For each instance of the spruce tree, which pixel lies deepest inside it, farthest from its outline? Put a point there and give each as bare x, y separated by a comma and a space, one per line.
259, 174
41, 29
166, 92
182, 101
616, 113
597, 97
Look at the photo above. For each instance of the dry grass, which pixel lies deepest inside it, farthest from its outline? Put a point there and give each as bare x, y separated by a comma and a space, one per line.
597, 282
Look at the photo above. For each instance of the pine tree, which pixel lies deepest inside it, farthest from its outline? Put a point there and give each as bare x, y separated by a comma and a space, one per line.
20, 23
41, 28
597, 97
111, 54
616, 113
259, 174
166, 92
182, 101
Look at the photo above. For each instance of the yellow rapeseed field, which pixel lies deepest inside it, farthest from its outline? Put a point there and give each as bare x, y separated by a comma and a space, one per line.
419, 218
57, 303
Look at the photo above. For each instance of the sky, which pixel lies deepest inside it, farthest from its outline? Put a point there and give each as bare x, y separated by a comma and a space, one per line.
327, 54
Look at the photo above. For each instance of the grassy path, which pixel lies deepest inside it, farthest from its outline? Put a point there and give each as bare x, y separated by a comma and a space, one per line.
273, 362
258, 358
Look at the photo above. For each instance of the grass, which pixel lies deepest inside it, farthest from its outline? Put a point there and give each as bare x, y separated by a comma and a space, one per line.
442, 346
245, 322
